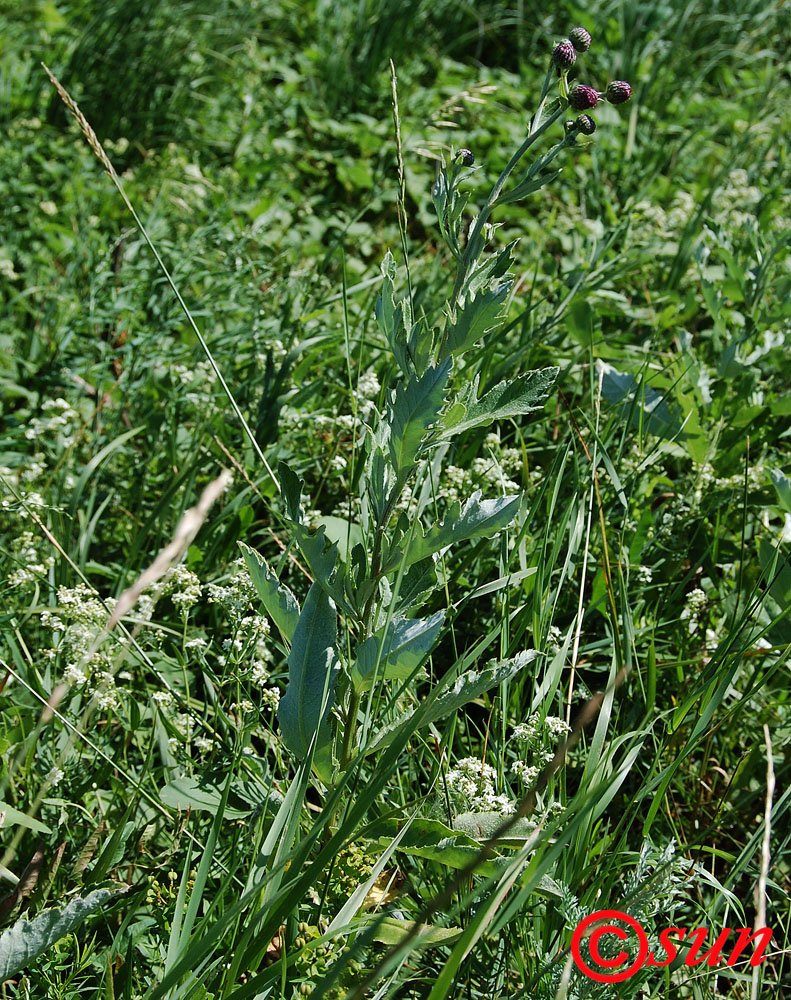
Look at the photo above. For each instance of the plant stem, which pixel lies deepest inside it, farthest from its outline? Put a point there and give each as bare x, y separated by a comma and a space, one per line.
473, 243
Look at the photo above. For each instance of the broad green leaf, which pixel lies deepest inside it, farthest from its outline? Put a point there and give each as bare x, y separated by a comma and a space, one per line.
199, 795
484, 825
430, 839
414, 408
477, 518
782, 485
474, 318
312, 671
13, 817
464, 689
392, 931
518, 396
406, 645
417, 584
345, 534
22, 943
647, 407
280, 603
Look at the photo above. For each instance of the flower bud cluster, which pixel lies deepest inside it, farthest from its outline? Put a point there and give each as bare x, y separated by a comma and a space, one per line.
582, 97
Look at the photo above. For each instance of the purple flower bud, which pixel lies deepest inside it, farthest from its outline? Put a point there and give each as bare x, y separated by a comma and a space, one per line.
618, 92
580, 39
563, 55
585, 124
583, 98
466, 156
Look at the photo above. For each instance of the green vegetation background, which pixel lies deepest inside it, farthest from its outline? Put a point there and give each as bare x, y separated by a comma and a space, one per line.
256, 141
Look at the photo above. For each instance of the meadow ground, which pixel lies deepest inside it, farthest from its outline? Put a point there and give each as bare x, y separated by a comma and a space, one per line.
464, 505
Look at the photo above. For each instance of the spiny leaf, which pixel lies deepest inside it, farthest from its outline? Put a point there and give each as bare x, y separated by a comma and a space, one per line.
415, 407
512, 398
406, 645
395, 321
280, 603
475, 318
475, 519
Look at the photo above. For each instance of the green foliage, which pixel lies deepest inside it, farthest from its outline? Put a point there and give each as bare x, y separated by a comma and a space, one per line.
529, 467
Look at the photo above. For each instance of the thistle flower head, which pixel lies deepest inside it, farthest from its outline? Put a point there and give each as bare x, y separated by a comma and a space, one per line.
582, 98
585, 124
618, 92
466, 156
563, 55
580, 39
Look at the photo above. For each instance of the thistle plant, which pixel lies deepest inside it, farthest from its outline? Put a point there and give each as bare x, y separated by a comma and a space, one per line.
361, 636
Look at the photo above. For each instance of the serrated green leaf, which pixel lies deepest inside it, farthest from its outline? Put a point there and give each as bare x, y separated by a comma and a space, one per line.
475, 519
312, 672
492, 268
464, 689
512, 398
414, 408
279, 602
474, 319
21, 944
404, 648
393, 320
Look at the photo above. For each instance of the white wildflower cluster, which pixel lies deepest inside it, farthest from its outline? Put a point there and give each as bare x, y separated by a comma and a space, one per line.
537, 737
456, 484
694, 608
79, 621
32, 564
526, 773
553, 639
57, 422
471, 785
270, 698
237, 595
734, 204
644, 575
164, 700
27, 501
368, 386
184, 587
